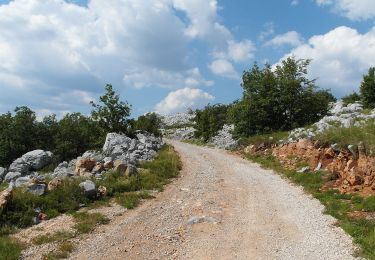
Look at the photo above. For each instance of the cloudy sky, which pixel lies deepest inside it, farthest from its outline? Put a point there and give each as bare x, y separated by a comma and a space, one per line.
168, 55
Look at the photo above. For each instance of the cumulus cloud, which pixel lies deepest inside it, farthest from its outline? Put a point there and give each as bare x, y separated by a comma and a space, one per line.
223, 68
352, 9
291, 38
339, 58
52, 48
182, 99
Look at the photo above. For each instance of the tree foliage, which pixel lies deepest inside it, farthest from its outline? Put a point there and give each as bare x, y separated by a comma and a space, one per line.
278, 99
149, 122
367, 89
210, 120
112, 114
351, 98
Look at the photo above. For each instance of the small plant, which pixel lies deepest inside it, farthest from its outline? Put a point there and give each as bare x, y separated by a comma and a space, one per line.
10, 249
58, 236
369, 204
131, 200
63, 251
86, 222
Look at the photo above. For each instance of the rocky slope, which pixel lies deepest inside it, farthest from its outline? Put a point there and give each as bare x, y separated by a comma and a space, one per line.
119, 153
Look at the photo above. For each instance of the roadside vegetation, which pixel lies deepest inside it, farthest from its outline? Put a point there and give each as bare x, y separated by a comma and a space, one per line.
273, 100
72, 135
67, 198
337, 205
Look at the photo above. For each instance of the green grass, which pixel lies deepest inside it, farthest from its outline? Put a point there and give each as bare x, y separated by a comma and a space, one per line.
86, 222
130, 200
336, 204
62, 252
10, 249
350, 136
49, 238
266, 139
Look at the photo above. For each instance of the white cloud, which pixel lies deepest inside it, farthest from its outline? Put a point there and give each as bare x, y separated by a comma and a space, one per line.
291, 38
352, 9
268, 30
294, 2
340, 58
52, 48
166, 79
223, 68
182, 99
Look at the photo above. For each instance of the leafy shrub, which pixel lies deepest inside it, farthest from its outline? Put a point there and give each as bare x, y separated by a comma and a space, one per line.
278, 100
210, 120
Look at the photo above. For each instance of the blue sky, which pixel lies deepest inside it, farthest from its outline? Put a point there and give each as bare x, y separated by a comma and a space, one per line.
168, 55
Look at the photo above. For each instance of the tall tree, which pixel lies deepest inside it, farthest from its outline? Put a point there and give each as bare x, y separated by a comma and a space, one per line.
112, 114
367, 89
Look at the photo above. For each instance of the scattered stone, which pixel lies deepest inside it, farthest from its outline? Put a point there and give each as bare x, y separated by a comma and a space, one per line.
84, 167
304, 170
102, 191
12, 176
120, 166
54, 184
5, 197
201, 219
318, 167
88, 188
3, 172
131, 170
37, 189
22, 182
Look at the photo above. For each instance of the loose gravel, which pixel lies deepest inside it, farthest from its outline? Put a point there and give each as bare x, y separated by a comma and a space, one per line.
221, 207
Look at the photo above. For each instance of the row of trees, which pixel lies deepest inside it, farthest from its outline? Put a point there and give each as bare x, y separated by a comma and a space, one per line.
273, 100
72, 135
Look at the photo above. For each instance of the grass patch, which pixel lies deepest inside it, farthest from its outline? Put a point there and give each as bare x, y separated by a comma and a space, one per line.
10, 249
350, 136
58, 236
266, 139
86, 222
336, 204
131, 199
63, 251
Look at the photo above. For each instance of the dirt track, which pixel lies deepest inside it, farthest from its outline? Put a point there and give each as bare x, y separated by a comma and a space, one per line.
243, 212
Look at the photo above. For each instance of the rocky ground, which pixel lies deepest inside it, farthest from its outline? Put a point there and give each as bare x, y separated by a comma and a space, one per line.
221, 207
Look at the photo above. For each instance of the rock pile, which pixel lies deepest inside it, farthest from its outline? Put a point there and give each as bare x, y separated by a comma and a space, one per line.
178, 119
339, 116
224, 138
183, 133
119, 152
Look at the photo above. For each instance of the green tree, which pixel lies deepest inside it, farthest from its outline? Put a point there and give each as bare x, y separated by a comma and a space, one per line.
149, 122
367, 89
351, 98
75, 135
112, 115
278, 99
210, 120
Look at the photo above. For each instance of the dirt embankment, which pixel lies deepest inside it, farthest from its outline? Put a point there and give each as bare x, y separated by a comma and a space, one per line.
352, 169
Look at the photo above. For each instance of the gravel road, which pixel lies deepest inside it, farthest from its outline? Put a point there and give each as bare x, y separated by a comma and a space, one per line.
221, 207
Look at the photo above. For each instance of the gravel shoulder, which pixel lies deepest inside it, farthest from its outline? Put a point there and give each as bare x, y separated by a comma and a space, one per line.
221, 207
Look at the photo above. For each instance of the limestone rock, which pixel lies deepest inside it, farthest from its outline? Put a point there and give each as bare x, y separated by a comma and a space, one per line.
88, 188
84, 166
54, 184
10, 176
5, 197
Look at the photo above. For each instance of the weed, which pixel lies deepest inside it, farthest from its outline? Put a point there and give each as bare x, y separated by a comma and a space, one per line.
10, 249
86, 222
58, 236
131, 200
65, 248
